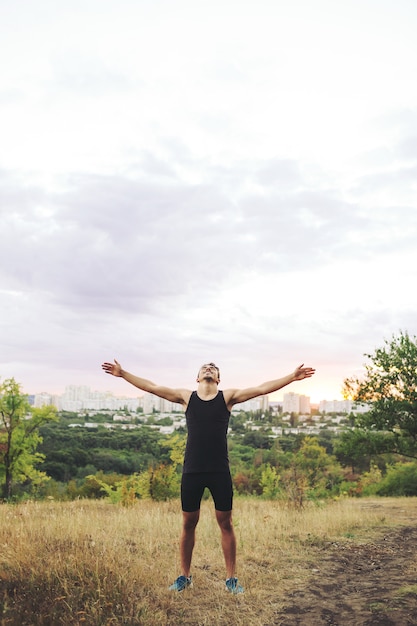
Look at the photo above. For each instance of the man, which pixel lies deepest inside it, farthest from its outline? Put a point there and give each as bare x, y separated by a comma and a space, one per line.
206, 463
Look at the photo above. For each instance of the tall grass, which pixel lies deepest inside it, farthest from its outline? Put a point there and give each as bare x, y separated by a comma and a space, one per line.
94, 563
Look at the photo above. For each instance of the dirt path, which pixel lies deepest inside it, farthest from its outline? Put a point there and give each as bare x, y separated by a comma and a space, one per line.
366, 584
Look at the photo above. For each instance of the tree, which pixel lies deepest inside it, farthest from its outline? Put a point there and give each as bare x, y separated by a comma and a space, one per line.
389, 386
270, 482
159, 483
354, 448
257, 439
19, 437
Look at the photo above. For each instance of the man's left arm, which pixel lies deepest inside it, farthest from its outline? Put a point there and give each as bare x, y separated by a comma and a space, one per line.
234, 396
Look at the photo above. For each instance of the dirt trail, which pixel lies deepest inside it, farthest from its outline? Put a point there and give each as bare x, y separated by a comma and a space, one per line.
360, 584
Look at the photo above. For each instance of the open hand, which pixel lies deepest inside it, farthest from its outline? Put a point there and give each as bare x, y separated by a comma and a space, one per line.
115, 369
302, 372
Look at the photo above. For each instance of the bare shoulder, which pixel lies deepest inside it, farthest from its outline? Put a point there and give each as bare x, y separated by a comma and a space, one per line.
230, 396
235, 396
184, 395
178, 396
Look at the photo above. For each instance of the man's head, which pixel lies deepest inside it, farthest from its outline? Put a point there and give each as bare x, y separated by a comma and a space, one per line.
208, 371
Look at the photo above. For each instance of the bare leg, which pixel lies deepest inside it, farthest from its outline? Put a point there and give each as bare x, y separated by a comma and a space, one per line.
189, 523
224, 520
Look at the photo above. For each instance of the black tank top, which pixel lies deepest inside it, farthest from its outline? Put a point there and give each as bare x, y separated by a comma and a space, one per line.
207, 423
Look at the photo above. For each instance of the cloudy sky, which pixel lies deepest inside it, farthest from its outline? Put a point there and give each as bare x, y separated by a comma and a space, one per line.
192, 180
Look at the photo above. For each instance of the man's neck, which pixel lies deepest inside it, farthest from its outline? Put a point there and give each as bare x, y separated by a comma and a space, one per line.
207, 389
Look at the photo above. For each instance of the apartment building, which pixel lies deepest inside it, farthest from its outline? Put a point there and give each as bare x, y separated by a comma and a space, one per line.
296, 403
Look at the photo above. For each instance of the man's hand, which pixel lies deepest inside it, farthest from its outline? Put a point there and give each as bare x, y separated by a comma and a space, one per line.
115, 369
302, 372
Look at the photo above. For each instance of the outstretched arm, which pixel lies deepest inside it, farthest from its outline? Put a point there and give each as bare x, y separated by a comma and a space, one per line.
234, 396
180, 396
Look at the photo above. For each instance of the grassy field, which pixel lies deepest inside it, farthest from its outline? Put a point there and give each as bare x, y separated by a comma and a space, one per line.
90, 562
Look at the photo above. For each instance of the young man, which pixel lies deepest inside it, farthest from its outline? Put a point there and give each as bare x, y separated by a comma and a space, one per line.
206, 463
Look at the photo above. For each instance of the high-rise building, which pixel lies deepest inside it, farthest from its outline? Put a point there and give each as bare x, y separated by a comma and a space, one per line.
42, 399
291, 402
342, 406
305, 406
296, 403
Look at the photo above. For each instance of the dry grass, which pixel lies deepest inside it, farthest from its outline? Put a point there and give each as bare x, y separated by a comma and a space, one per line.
90, 562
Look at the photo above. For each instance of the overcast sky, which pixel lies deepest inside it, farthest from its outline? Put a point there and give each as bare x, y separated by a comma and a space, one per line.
184, 181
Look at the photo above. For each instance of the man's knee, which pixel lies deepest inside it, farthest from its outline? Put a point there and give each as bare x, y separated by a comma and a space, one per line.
190, 520
224, 520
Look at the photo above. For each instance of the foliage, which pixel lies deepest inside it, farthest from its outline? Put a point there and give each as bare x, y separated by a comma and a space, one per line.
91, 486
354, 448
390, 387
247, 482
270, 482
257, 439
369, 481
123, 466
20, 438
295, 485
124, 491
314, 461
74, 452
176, 444
306, 473
159, 483
237, 422
163, 482
311, 473
400, 480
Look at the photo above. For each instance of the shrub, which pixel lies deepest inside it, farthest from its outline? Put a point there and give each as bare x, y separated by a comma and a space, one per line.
400, 480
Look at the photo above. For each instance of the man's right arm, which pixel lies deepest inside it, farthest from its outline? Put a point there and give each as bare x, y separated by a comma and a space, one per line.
179, 396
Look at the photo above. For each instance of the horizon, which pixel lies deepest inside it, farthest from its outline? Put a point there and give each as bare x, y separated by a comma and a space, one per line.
130, 391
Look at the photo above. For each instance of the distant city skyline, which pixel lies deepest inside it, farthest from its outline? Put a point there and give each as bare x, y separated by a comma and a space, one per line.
76, 398
131, 393
276, 396
315, 388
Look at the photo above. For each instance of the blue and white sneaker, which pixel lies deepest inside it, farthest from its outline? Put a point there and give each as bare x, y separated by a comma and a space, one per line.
233, 586
181, 583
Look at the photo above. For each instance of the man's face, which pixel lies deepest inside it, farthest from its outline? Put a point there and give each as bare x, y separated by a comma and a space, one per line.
208, 372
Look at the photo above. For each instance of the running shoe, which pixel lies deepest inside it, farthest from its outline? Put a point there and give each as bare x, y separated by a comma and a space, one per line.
181, 583
233, 586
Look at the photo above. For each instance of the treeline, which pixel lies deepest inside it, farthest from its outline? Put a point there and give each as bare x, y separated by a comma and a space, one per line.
73, 453
124, 465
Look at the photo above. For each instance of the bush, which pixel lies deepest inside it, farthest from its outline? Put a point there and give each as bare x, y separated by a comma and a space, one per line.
400, 480
160, 483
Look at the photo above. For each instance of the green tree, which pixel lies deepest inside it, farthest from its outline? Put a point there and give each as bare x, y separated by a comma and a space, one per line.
257, 439
163, 482
400, 480
354, 448
389, 386
321, 469
69, 451
177, 444
270, 482
118, 489
19, 437
159, 483
309, 472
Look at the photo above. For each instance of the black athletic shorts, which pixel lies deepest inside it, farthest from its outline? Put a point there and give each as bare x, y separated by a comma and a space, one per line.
218, 483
